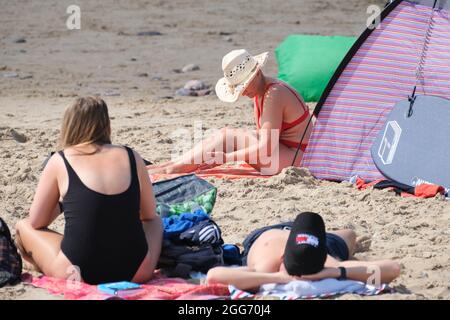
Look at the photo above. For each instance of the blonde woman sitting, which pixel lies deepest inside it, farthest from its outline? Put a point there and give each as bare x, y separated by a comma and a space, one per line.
112, 232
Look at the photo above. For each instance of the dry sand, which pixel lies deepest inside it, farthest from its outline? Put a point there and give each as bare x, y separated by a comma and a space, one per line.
107, 57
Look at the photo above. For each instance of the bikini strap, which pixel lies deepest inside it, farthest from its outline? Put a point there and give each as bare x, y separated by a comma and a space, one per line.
259, 110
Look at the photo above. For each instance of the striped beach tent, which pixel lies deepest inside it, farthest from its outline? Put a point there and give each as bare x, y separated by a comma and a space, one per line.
381, 69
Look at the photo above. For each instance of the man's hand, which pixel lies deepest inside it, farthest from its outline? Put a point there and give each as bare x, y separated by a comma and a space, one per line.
284, 277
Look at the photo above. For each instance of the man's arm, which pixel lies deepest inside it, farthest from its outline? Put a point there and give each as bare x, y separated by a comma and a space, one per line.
384, 270
245, 278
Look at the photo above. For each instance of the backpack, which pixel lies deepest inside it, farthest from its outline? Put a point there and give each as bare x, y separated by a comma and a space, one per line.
10, 259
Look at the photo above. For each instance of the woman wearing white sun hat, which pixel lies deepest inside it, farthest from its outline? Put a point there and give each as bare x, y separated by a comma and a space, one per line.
281, 119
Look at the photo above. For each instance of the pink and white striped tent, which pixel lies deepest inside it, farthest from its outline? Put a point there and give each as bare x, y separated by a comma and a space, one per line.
379, 71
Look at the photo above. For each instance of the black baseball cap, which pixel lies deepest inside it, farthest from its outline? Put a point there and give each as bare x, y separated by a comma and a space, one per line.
306, 250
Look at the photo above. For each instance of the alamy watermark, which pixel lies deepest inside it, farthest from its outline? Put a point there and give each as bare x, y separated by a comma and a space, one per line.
217, 147
374, 19
73, 22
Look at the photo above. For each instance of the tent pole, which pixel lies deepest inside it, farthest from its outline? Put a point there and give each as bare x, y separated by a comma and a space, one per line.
301, 140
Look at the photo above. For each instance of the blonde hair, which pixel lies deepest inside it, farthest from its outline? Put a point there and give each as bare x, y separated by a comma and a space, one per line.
86, 121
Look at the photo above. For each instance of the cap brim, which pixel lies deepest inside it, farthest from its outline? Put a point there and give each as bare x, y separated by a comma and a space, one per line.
226, 94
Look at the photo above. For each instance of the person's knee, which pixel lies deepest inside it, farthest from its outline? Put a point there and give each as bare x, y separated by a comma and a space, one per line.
396, 269
22, 225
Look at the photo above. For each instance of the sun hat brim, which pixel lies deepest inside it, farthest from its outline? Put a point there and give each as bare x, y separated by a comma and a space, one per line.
226, 93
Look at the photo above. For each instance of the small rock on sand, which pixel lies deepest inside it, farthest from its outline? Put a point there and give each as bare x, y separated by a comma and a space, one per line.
190, 67
203, 92
111, 93
194, 88
26, 76
10, 75
149, 33
142, 75
18, 137
185, 92
19, 40
195, 85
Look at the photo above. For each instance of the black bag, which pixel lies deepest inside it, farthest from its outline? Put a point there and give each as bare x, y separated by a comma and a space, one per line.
178, 260
10, 259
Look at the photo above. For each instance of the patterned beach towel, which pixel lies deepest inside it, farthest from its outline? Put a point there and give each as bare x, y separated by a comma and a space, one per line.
311, 290
157, 289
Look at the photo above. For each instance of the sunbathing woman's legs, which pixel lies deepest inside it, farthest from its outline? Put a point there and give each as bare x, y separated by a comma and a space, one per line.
225, 140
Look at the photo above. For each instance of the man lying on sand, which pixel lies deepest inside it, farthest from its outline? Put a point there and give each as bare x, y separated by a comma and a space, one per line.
281, 118
276, 254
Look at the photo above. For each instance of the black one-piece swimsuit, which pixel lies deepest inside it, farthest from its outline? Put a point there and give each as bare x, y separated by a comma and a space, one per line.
103, 235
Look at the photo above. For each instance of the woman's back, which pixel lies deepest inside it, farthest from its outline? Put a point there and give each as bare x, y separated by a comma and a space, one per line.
106, 171
103, 234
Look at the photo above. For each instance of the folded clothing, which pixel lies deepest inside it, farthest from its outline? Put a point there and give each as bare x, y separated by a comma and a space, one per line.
204, 232
180, 260
176, 225
421, 191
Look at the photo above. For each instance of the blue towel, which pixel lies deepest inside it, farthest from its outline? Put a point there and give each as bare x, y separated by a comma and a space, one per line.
175, 225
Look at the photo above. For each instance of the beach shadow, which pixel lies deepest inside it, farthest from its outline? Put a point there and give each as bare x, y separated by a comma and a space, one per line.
401, 289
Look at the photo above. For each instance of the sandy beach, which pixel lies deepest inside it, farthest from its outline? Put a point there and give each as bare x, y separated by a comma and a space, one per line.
138, 76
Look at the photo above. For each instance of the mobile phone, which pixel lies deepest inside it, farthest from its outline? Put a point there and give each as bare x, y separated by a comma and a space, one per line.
121, 289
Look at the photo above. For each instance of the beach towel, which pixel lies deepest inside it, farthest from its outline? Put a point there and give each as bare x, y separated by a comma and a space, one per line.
240, 170
311, 289
157, 289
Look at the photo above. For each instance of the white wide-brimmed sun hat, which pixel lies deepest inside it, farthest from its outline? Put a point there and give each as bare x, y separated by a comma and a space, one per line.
239, 68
